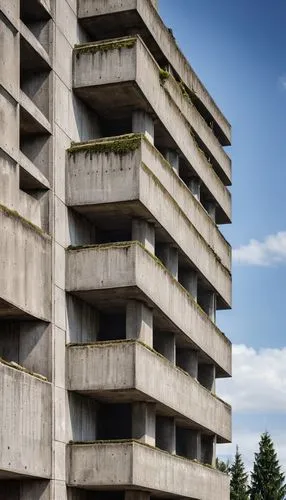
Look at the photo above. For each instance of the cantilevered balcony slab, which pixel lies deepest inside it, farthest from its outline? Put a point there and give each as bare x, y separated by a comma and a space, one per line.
107, 274
118, 76
25, 256
203, 133
109, 178
132, 465
113, 19
25, 422
120, 372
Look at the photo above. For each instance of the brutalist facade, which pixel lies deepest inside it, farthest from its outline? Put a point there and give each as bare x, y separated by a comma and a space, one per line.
113, 182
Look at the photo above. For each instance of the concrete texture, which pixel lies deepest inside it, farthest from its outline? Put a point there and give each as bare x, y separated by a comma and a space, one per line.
91, 272
96, 72
127, 178
26, 256
156, 34
168, 189
133, 465
121, 371
25, 421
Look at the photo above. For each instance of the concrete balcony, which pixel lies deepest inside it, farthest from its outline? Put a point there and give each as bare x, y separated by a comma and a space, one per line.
106, 275
120, 372
138, 181
25, 255
26, 424
131, 465
203, 133
120, 76
113, 19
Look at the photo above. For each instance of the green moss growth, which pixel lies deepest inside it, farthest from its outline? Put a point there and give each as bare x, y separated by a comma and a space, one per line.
130, 244
105, 246
145, 445
183, 89
164, 75
183, 215
16, 366
15, 215
93, 47
119, 145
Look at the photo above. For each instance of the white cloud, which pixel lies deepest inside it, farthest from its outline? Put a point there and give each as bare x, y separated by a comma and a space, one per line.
257, 393
262, 253
259, 380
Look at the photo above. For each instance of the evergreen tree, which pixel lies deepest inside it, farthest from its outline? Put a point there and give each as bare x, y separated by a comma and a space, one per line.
238, 479
267, 480
222, 466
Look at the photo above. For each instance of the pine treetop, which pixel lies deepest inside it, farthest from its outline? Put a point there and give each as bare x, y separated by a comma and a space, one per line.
239, 479
267, 480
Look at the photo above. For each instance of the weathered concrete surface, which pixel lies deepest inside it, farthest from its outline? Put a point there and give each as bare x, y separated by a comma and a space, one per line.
93, 272
97, 72
133, 465
25, 256
218, 157
141, 14
114, 369
110, 178
95, 178
25, 422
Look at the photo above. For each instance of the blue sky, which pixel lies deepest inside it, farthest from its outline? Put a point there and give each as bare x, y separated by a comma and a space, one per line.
238, 50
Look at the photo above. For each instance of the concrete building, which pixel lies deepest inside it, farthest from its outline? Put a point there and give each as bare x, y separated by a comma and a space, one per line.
113, 182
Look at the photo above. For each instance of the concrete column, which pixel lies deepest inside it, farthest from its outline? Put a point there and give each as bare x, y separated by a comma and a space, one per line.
165, 344
194, 185
136, 495
189, 443
208, 303
173, 158
187, 359
142, 123
144, 422
189, 280
144, 232
209, 450
211, 209
166, 434
139, 322
206, 376
168, 254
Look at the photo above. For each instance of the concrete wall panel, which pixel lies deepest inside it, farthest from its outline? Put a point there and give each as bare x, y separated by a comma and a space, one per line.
25, 422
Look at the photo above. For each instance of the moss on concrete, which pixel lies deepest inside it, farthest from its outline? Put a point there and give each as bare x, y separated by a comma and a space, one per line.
16, 366
137, 442
15, 215
129, 244
180, 211
119, 145
94, 47
113, 343
164, 75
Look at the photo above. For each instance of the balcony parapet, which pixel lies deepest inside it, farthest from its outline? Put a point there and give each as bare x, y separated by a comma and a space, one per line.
128, 271
120, 371
133, 465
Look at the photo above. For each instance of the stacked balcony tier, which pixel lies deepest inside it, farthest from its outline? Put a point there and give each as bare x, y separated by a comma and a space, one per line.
112, 19
125, 177
122, 75
120, 372
132, 465
112, 274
